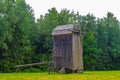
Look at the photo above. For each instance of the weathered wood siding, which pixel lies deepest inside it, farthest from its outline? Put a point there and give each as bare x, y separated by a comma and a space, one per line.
77, 52
62, 51
67, 48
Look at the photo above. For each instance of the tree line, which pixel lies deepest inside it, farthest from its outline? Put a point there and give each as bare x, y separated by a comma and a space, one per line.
23, 39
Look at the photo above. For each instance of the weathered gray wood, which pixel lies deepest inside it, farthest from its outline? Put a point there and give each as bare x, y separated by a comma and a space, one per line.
32, 64
77, 53
62, 47
66, 29
62, 70
67, 48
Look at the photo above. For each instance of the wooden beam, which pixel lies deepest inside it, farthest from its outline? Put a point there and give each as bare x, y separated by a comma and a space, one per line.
32, 64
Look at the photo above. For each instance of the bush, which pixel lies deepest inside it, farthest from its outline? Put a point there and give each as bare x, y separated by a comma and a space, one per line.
31, 70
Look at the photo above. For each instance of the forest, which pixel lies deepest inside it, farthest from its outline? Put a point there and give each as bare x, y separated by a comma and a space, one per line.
24, 39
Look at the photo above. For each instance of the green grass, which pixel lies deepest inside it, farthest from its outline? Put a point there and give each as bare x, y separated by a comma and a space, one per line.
87, 75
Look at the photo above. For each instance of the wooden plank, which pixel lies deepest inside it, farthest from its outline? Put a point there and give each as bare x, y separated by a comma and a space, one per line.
32, 64
77, 52
62, 51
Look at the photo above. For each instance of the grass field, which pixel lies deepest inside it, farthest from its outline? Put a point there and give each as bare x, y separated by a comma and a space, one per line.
87, 75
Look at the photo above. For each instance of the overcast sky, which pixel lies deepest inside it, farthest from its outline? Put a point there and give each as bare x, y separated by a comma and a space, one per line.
98, 7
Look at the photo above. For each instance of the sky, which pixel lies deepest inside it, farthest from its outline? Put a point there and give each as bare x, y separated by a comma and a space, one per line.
97, 7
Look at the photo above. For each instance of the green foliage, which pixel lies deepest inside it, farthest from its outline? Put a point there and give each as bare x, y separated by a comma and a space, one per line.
15, 43
107, 32
23, 41
91, 52
32, 70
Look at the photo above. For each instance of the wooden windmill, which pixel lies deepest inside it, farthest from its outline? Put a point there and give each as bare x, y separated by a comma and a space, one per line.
67, 49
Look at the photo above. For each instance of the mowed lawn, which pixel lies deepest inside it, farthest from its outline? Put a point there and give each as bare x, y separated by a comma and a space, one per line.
87, 75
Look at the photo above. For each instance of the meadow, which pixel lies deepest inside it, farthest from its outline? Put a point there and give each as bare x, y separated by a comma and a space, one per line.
87, 75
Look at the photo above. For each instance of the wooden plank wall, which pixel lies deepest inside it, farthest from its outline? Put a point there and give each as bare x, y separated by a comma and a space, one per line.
62, 51
77, 52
